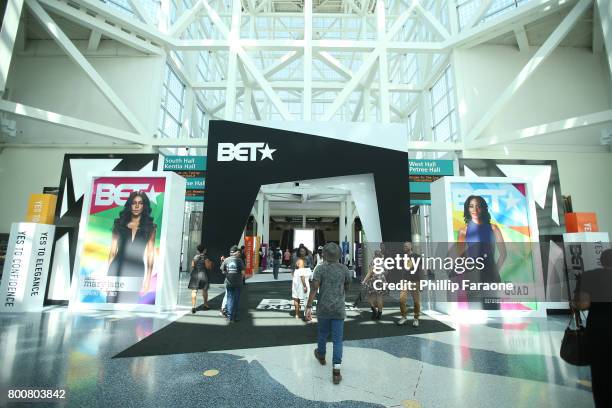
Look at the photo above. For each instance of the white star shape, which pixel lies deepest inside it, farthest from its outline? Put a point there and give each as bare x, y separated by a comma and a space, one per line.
266, 152
152, 194
511, 202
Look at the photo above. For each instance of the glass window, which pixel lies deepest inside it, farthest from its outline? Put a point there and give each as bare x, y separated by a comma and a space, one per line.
172, 105
443, 112
467, 9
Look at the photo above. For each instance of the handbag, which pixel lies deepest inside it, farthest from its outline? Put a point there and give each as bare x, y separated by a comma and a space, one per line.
575, 347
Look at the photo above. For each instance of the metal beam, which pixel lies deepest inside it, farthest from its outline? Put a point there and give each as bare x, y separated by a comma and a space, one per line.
543, 52
8, 36
299, 85
281, 63
367, 64
140, 12
126, 23
433, 22
577, 122
94, 40
249, 64
526, 13
73, 53
307, 95
383, 66
597, 40
185, 20
521, 39
98, 24
604, 10
69, 122
232, 65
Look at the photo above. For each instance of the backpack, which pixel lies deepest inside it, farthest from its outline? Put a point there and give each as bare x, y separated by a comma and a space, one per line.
200, 263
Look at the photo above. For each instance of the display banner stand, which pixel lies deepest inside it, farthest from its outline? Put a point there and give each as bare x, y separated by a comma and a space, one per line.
128, 253
26, 267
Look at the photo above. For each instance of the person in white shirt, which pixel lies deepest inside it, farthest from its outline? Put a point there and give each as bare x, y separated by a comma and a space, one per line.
300, 288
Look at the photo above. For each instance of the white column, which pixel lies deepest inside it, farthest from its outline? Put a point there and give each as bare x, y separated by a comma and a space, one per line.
349, 225
453, 17
232, 74
307, 95
342, 223
266, 223
247, 110
260, 215
8, 35
383, 66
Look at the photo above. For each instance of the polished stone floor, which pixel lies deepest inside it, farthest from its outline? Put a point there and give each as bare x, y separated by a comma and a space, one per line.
487, 363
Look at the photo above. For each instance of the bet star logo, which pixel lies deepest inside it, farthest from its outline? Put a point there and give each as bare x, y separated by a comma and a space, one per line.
243, 151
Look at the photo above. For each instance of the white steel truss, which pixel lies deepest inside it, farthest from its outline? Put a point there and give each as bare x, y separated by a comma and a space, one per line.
312, 60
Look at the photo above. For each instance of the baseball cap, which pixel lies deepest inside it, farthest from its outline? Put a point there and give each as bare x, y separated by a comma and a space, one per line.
234, 248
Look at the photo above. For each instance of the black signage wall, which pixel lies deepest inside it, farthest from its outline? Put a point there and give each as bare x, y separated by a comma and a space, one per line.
242, 158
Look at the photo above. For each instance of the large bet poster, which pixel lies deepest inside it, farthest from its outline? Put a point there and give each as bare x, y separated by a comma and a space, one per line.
491, 219
121, 245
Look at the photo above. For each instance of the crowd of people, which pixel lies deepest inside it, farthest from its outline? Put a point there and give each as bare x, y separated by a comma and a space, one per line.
321, 273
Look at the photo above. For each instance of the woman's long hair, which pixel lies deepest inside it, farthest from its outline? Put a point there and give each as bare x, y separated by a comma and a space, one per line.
483, 217
146, 225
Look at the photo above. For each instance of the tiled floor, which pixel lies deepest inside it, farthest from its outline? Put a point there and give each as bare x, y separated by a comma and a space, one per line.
493, 363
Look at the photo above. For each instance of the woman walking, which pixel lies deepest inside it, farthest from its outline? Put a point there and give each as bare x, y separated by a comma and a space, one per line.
200, 266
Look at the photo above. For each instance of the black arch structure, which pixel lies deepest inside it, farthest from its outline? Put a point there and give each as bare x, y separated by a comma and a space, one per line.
232, 186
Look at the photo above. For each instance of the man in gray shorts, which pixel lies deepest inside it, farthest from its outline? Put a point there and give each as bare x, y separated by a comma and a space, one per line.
332, 280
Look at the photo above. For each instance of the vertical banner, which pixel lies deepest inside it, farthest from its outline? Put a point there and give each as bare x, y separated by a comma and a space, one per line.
26, 267
121, 244
41, 208
256, 247
249, 243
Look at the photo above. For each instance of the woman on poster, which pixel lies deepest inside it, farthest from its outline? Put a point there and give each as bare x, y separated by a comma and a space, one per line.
481, 238
133, 241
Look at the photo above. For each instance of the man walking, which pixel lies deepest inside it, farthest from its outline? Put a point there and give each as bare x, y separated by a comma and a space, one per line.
332, 280
413, 275
233, 269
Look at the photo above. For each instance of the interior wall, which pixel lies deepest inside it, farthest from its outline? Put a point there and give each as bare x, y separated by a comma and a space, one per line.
24, 171
45, 78
584, 176
568, 83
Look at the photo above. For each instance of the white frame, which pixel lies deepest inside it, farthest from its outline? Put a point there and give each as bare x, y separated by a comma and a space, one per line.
170, 244
441, 204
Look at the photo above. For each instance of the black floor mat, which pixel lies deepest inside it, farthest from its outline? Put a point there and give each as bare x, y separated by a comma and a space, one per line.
208, 331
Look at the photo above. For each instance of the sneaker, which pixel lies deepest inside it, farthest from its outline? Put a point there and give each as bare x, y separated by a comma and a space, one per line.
206, 307
320, 358
379, 315
402, 321
192, 310
415, 323
336, 376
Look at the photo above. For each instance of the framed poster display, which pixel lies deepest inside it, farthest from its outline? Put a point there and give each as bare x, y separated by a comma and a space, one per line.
128, 252
495, 218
